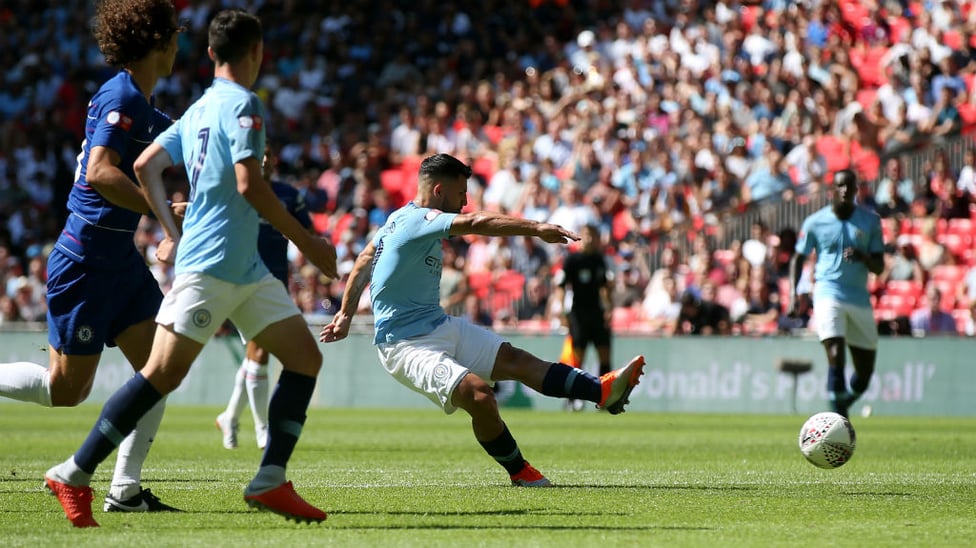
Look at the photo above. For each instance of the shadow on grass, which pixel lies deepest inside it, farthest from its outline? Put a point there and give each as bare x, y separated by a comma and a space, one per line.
510, 527
664, 487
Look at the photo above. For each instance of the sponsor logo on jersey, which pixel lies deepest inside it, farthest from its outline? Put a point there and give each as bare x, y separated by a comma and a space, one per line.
250, 122
432, 214
116, 118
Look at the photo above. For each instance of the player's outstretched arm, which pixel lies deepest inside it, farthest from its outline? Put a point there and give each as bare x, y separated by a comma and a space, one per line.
359, 278
258, 192
149, 167
487, 223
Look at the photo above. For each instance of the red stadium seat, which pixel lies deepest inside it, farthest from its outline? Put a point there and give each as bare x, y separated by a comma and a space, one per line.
961, 226
908, 288
901, 305
480, 283
486, 166
949, 272
957, 244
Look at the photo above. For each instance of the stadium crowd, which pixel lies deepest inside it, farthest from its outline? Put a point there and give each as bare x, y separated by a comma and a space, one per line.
651, 118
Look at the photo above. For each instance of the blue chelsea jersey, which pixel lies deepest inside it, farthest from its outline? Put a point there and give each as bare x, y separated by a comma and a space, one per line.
121, 119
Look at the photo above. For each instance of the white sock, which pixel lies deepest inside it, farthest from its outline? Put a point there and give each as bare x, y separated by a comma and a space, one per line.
26, 381
69, 473
256, 380
133, 452
237, 402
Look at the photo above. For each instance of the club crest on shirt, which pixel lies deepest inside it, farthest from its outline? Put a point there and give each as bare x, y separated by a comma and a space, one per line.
432, 214
201, 318
84, 334
250, 122
116, 118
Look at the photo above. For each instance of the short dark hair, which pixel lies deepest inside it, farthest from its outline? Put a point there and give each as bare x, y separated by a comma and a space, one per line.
129, 30
233, 33
441, 166
845, 176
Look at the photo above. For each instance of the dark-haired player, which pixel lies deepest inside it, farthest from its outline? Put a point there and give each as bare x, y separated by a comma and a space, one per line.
448, 359
849, 245
99, 289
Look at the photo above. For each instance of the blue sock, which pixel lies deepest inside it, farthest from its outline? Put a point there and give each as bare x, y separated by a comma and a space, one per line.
286, 416
835, 380
119, 417
563, 381
505, 450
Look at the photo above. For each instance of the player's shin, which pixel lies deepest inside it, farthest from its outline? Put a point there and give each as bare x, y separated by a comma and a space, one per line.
119, 416
133, 452
563, 381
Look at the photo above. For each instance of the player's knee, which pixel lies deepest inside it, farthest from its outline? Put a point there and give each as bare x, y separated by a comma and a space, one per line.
511, 356
65, 395
476, 397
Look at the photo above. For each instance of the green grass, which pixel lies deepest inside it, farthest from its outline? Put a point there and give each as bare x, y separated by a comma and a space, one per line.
417, 478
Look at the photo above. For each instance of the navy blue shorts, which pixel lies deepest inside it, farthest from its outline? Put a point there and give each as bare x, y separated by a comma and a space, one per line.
88, 307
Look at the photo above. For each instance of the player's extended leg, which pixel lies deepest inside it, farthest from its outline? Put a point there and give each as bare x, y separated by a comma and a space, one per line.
292, 343
65, 382
168, 364
126, 493
609, 391
836, 383
476, 397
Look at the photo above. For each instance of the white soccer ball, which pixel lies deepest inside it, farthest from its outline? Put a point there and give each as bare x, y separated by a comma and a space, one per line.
827, 440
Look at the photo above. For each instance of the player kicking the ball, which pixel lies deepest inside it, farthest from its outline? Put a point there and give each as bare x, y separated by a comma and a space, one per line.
448, 359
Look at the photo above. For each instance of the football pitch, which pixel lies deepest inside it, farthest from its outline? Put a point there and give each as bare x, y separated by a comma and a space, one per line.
418, 478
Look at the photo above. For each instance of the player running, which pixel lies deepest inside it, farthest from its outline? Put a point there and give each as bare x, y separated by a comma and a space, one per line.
252, 376
219, 275
99, 289
448, 359
849, 244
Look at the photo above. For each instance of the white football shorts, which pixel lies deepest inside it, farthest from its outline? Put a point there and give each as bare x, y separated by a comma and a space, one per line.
198, 304
434, 364
854, 323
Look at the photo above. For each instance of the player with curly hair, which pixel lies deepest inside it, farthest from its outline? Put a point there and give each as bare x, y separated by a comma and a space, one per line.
219, 276
100, 291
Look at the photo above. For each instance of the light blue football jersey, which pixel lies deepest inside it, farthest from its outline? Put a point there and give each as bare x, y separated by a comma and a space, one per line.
220, 229
835, 278
405, 286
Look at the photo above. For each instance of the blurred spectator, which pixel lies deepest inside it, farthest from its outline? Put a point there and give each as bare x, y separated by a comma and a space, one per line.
454, 287
930, 252
798, 322
535, 306
969, 326
701, 317
931, 319
894, 192
474, 311
670, 120
901, 263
